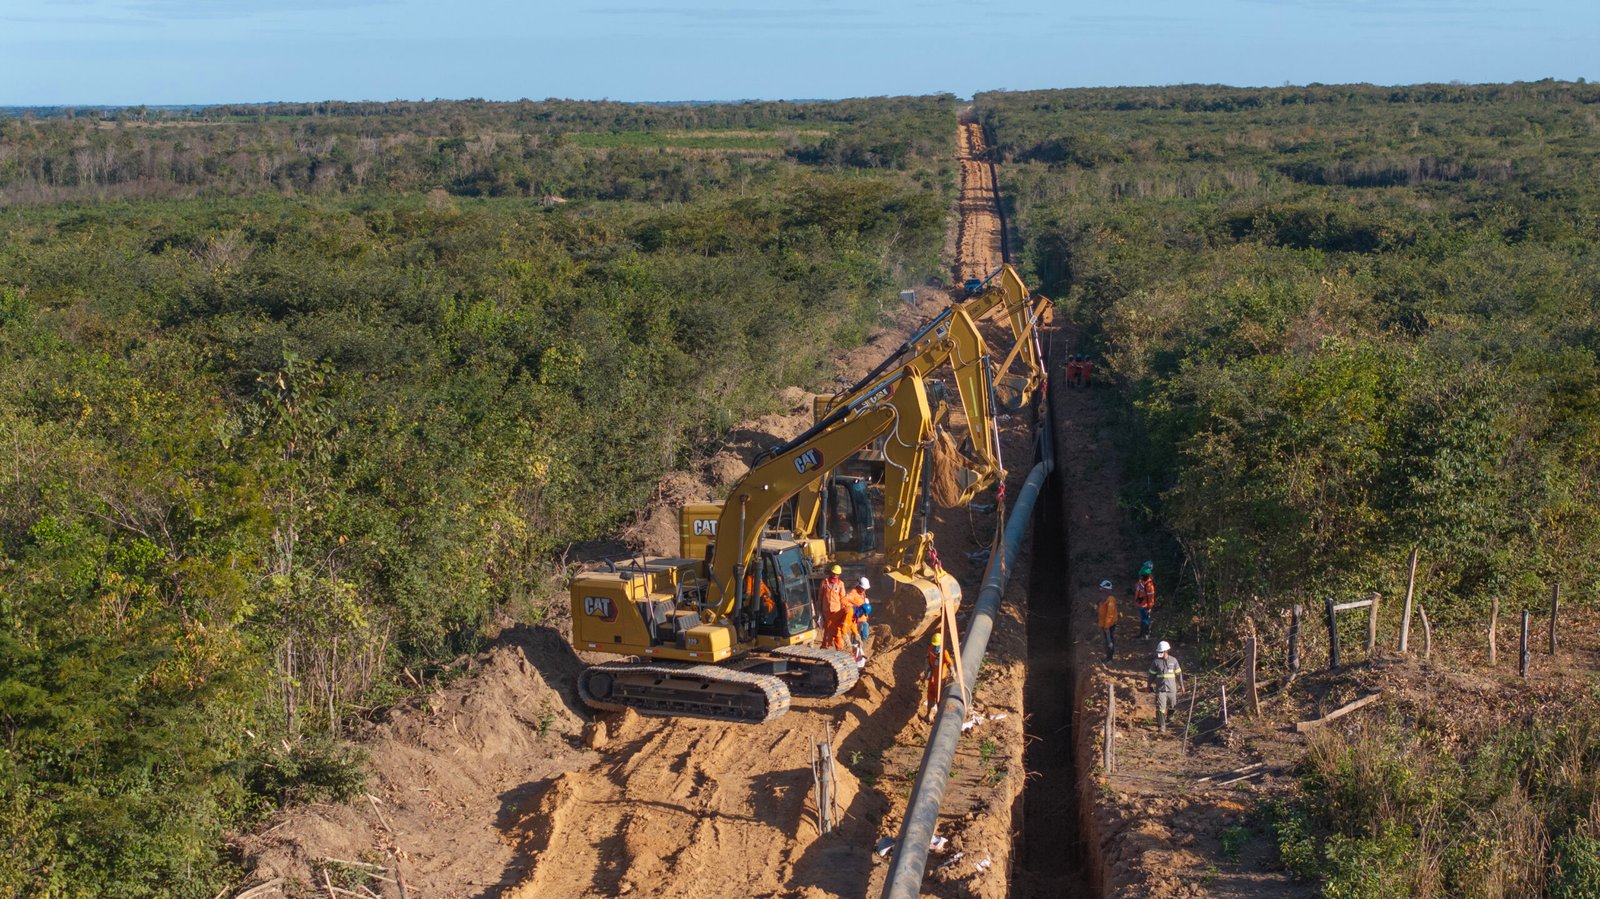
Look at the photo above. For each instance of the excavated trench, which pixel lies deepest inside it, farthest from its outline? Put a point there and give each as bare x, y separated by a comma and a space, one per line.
1050, 856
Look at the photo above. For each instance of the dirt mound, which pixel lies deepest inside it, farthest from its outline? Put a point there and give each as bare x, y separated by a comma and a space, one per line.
655, 531
445, 768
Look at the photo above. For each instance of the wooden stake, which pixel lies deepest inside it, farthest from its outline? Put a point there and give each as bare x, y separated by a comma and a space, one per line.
1525, 657
1555, 608
1108, 756
1295, 612
1194, 692
1427, 633
1494, 621
1250, 675
1333, 634
1372, 627
1405, 616
1224, 705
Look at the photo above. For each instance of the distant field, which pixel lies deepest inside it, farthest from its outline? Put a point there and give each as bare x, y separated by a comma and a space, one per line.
695, 140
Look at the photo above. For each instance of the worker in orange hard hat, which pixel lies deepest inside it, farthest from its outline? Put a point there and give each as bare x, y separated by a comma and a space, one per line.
835, 614
1108, 618
941, 664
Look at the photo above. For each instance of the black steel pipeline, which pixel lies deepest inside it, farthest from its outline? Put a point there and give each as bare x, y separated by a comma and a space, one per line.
911, 851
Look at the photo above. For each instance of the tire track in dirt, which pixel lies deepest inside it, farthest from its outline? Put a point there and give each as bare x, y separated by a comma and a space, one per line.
978, 246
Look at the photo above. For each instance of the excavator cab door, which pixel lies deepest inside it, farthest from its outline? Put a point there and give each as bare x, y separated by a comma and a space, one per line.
787, 575
852, 523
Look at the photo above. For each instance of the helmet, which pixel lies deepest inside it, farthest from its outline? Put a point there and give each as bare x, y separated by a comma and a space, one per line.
834, 569
1163, 646
937, 638
1105, 585
865, 584
1146, 568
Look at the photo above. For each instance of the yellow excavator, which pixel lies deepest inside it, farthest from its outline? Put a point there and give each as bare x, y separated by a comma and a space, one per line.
841, 509
726, 631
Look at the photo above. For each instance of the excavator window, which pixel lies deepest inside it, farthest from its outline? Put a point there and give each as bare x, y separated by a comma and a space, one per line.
792, 611
851, 522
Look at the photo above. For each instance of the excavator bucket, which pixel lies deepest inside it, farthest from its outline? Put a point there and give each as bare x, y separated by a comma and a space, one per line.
916, 603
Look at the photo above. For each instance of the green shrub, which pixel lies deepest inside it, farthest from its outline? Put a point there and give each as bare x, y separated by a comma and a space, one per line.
1370, 867
316, 769
1577, 867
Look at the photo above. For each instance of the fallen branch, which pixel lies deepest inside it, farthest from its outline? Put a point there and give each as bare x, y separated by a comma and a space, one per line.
345, 861
381, 819
1211, 777
259, 888
1305, 726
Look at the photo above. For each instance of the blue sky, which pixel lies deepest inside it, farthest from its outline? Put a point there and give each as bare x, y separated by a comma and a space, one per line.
211, 51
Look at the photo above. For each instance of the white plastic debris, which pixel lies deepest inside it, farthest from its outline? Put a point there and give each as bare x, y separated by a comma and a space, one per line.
884, 845
984, 863
953, 859
998, 716
969, 724
937, 844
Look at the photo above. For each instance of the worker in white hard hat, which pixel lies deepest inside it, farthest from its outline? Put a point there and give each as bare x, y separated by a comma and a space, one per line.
860, 609
1166, 681
1107, 611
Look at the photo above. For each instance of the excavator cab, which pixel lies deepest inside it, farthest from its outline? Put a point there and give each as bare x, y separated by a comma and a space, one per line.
852, 516
785, 610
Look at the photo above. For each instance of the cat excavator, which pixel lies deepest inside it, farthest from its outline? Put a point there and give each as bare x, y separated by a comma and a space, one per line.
727, 630
894, 546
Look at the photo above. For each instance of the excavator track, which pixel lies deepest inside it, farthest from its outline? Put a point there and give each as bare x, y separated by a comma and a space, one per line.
694, 691
828, 672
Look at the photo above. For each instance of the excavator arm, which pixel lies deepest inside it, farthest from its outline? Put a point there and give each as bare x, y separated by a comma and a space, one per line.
897, 407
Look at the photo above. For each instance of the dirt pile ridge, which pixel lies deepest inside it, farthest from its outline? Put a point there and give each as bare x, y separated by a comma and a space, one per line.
445, 767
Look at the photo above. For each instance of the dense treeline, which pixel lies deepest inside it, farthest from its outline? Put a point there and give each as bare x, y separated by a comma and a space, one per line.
472, 148
261, 452
1348, 322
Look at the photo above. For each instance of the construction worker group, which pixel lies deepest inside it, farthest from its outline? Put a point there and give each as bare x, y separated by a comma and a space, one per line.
1165, 677
845, 614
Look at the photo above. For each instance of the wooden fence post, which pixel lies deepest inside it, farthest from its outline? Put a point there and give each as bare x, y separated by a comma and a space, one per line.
1522, 664
1555, 608
1405, 616
1108, 758
1333, 635
1224, 705
1188, 723
1494, 621
1427, 632
1295, 612
1250, 675
1372, 628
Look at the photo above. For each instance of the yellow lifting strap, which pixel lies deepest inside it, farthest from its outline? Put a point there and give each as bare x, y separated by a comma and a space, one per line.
947, 626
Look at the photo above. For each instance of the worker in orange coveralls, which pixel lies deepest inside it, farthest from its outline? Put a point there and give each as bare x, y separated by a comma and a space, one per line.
1085, 370
1074, 368
941, 664
835, 612
1144, 596
860, 607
